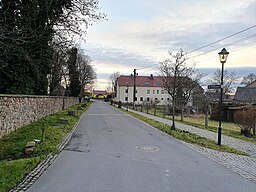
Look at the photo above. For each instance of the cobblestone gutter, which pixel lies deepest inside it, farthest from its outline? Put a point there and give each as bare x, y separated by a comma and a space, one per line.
242, 165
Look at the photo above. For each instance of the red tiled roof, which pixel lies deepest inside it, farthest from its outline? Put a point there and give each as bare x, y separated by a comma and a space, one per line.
141, 81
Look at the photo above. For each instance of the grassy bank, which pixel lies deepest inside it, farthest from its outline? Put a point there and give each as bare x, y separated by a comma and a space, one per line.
14, 164
229, 129
186, 136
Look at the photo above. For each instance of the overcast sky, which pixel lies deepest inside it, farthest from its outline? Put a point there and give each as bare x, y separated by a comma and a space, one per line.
140, 33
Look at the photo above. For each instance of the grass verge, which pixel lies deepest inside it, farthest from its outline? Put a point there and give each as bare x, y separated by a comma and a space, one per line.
14, 164
228, 128
187, 136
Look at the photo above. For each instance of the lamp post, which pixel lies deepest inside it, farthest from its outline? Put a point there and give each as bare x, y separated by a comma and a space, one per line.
223, 58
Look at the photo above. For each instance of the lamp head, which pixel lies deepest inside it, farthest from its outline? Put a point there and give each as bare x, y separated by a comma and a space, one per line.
223, 55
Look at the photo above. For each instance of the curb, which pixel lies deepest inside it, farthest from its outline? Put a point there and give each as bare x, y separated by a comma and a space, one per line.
31, 178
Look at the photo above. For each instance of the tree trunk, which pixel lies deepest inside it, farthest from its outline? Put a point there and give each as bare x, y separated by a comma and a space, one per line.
173, 116
181, 114
206, 118
254, 129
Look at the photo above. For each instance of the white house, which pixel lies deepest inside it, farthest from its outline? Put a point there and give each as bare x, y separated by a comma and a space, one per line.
148, 89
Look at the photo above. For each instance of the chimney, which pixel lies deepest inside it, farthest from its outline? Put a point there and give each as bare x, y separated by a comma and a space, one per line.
151, 76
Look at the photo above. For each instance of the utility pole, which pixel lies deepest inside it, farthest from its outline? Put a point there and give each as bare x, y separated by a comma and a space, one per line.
134, 87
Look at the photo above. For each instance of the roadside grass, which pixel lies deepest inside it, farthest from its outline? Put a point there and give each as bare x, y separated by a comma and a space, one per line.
229, 129
187, 136
12, 172
15, 163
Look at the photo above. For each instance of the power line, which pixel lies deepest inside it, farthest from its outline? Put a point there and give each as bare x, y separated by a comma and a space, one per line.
232, 52
147, 67
222, 39
232, 43
213, 44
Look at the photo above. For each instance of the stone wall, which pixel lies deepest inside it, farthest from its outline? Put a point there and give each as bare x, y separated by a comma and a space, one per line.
19, 110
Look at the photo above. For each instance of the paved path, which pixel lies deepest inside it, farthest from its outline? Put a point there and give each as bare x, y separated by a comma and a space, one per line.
239, 144
111, 151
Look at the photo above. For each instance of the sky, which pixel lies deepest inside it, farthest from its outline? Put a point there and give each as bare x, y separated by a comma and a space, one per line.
141, 33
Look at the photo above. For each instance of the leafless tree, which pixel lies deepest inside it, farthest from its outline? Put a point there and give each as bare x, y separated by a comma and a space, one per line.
178, 79
229, 79
58, 77
86, 72
113, 78
248, 79
76, 18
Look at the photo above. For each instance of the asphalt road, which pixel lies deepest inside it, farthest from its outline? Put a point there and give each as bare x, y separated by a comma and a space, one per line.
113, 152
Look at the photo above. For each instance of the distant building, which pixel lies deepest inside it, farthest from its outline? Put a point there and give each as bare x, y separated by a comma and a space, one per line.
252, 84
148, 89
214, 96
100, 94
246, 94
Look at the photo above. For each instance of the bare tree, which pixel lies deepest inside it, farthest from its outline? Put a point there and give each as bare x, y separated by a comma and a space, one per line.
76, 17
58, 76
248, 79
86, 72
113, 78
177, 79
229, 79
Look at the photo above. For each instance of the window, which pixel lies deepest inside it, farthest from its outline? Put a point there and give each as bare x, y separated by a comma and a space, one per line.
162, 98
155, 99
147, 98
153, 91
126, 90
162, 91
168, 99
158, 83
146, 83
141, 98
126, 98
148, 91
135, 98
157, 91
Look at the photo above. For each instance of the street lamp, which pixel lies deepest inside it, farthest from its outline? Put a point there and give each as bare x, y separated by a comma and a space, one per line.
223, 58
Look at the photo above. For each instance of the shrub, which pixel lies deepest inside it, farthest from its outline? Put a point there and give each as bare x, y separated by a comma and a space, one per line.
246, 120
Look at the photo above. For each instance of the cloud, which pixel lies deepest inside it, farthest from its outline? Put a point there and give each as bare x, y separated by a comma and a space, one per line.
140, 33
117, 58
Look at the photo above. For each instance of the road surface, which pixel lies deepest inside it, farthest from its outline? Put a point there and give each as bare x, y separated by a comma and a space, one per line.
111, 151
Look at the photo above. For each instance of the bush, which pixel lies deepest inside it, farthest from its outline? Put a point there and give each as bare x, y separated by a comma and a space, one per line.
246, 120
119, 104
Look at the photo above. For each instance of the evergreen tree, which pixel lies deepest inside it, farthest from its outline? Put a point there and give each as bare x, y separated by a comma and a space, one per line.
27, 30
74, 86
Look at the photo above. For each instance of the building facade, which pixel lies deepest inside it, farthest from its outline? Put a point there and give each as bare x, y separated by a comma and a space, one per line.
246, 94
148, 89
